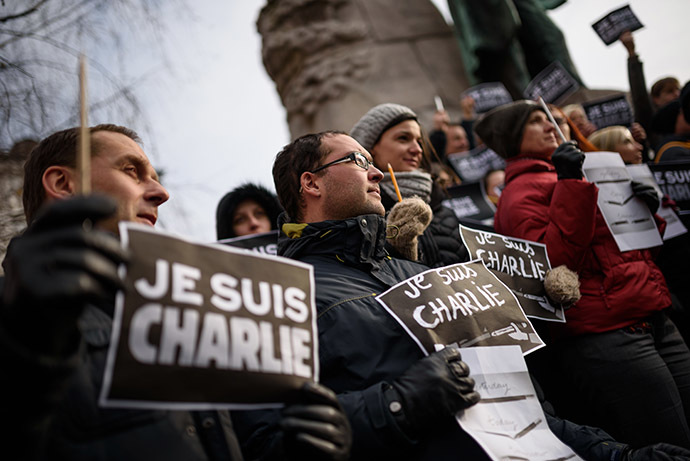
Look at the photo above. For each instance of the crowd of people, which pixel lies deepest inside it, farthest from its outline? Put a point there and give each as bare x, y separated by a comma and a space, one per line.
613, 380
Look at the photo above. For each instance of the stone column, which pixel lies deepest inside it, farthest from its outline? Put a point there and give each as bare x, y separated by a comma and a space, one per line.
332, 60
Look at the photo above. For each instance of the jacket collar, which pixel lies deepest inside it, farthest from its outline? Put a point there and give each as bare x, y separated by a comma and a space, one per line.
524, 164
355, 241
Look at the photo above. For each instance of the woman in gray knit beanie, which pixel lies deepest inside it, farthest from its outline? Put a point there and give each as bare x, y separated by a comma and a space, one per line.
393, 135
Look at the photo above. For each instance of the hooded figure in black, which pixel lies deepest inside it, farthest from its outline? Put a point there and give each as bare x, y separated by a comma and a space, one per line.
227, 219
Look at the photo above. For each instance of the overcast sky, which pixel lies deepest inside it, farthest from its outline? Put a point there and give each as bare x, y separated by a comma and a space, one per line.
217, 120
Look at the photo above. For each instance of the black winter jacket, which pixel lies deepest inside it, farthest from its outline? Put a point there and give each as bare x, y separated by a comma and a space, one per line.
52, 406
362, 349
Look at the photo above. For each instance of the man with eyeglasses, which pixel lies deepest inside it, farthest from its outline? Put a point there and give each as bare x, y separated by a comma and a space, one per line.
393, 396
336, 189
56, 308
400, 404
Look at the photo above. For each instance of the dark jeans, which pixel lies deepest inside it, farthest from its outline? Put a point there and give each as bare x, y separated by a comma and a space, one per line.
634, 382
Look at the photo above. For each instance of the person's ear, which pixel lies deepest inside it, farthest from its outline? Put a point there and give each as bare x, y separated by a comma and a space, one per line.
309, 184
59, 182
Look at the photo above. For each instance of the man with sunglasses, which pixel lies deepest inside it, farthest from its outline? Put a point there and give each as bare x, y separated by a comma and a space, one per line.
400, 403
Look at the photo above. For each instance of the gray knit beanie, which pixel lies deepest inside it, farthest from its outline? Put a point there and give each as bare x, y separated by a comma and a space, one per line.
368, 130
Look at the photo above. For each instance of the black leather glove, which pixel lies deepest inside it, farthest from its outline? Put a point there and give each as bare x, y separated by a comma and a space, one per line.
55, 268
434, 387
647, 194
567, 159
657, 452
316, 428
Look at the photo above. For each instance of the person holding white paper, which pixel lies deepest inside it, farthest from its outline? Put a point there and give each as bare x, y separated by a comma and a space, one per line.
675, 254
617, 348
400, 402
619, 139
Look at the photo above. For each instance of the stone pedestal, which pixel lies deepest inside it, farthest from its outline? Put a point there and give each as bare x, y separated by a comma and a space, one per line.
332, 60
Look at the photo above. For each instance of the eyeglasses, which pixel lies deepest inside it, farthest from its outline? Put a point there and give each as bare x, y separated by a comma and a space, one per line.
357, 157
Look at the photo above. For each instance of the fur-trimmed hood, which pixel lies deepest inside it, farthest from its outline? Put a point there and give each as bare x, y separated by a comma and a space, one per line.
228, 204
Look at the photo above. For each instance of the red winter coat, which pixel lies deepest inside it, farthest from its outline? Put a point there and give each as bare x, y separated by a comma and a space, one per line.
618, 288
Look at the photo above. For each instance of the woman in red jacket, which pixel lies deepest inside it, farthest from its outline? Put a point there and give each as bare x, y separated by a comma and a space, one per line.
620, 359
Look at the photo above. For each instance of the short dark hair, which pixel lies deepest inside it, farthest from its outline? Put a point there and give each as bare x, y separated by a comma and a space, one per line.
59, 149
662, 83
303, 154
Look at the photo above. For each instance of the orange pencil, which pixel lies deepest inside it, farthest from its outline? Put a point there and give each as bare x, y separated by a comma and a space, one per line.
395, 183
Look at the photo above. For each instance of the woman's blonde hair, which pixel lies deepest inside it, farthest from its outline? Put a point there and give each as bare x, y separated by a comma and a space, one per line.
608, 138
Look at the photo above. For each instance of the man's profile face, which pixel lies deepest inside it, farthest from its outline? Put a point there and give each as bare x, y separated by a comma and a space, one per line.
121, 170
349, 190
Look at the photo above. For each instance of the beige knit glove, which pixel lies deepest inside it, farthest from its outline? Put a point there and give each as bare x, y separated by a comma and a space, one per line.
407, 220
562, 286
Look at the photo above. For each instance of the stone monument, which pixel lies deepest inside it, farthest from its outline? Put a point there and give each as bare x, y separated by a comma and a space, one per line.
332, 60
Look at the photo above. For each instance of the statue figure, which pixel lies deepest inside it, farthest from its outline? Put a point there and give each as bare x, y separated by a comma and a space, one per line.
509, 41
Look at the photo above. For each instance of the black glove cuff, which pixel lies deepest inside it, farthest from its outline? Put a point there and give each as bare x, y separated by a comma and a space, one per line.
394, 405
623, 454
570, 176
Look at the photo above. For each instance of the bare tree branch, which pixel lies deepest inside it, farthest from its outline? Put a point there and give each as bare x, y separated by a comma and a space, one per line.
38, 55
31, 10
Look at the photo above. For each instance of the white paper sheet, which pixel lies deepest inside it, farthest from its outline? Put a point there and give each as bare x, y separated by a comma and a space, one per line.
627, 217
508, 422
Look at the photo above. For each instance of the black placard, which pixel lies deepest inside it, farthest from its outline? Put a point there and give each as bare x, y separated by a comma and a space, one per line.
208, 326
463, 305
610, 111
674, 180
265, 243
469, 202
473, 165
487, 96
520, 264
610, 27
553, 84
